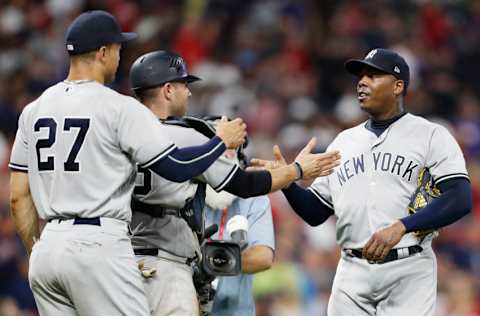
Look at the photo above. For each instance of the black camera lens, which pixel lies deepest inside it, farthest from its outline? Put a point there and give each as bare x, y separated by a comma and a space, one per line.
221, 258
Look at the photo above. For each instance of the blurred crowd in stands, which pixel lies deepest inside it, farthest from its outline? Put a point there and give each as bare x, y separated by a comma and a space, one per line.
279, 65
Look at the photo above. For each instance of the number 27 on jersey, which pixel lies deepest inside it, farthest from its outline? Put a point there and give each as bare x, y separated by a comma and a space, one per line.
49, 123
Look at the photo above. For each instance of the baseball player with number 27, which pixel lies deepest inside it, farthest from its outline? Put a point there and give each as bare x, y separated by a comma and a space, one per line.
74, 165
385, 221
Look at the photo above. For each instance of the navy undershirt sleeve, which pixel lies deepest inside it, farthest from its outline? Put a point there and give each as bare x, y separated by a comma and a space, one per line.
307, 205
182, 164
246, 184
454, 203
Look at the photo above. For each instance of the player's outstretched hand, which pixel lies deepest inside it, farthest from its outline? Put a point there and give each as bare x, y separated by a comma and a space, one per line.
382, 241
232, 133
317, 165
261, 164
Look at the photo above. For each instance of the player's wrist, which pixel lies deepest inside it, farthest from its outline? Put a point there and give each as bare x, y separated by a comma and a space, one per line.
219, 139
409, 224
292, 173
298, 170
401, 226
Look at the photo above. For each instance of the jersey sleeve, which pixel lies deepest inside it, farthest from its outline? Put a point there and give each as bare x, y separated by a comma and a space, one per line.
321, 187
260, 223
444, 157
141, 135
220, 173
19, 155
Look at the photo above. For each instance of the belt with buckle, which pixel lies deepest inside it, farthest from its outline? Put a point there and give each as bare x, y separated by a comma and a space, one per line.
394, 254
160, 253
79, 220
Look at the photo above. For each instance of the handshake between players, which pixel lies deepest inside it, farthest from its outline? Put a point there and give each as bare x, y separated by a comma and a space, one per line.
307, 165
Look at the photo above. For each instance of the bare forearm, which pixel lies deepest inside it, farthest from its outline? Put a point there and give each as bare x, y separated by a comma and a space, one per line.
256, 259
282, 177
26, 222
23, 211
246, 184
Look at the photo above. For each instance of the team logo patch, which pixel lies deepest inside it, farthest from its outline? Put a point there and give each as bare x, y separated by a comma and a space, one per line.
69, 47
177, 63
396, 69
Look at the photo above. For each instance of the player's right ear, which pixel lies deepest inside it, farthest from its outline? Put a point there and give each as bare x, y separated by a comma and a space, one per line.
101, 53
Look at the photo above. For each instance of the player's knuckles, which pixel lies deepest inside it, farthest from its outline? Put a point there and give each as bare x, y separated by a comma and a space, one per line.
372, 253
378, 251
385, 243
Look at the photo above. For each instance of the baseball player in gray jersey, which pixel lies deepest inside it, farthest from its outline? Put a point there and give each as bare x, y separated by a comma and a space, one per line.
387, 267
74, 164
162, 239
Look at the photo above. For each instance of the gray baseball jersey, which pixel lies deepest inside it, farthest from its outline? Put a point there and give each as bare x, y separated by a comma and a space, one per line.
79, 142
370, 190
170, 232
378, 175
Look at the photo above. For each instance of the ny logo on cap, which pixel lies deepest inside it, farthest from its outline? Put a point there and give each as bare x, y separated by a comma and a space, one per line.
396, 69
371, 54
176, 62
69, 47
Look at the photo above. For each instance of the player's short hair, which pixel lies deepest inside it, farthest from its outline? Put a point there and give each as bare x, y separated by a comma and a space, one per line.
88, 56
146, 94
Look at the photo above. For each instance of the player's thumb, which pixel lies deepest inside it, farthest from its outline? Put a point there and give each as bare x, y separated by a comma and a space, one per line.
224, 119
310, 146
277, 153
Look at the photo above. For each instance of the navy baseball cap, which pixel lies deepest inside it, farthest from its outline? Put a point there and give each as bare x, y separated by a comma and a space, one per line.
92, 30
384, 60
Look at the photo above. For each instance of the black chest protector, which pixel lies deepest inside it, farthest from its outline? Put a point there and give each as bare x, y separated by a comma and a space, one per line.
193, 211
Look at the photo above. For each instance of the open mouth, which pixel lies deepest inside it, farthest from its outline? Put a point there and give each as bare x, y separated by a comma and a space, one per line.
362, 96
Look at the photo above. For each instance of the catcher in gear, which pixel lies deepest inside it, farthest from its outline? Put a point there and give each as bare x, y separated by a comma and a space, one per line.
387, 267
162, 238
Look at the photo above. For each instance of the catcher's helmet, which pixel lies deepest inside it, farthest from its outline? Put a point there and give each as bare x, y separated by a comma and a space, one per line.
156, 68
